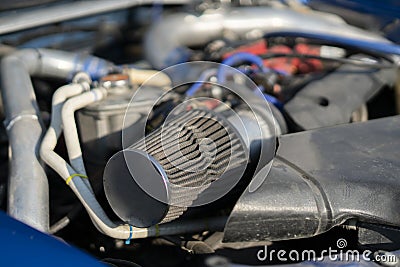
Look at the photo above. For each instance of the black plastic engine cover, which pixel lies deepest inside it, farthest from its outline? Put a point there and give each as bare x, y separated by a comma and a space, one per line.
332, 99
320, 179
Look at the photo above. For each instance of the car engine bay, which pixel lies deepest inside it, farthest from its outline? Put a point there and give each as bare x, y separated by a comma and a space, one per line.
199, 133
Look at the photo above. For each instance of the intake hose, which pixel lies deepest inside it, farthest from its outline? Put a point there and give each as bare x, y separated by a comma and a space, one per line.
28, 186
168, 40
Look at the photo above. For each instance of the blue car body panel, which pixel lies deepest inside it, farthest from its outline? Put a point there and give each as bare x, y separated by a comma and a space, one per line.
22, 246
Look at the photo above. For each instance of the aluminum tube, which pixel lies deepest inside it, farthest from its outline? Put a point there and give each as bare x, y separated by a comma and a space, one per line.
167, 41
28, 186
22, 19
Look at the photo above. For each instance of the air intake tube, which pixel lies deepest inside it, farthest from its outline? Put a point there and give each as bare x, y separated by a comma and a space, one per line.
28, 185
168, 41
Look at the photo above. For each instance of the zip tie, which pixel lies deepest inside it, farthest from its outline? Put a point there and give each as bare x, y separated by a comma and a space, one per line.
11, 123
128, 241
157, 227
69, 179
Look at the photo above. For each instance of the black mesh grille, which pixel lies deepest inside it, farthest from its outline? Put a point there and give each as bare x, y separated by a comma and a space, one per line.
194, 149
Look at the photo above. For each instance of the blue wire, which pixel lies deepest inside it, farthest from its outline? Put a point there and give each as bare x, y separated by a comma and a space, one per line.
273, 101
269, 98
238, 58
197, 85
230, 61
194, 88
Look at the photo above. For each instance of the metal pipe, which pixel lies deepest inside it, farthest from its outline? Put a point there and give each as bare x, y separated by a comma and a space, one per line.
28, 185
168, 40
67, 11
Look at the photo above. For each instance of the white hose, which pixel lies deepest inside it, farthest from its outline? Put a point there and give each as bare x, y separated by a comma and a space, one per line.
70, 129
80, 186
53, 133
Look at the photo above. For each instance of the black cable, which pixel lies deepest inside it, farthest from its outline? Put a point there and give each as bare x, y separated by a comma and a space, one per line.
119, 263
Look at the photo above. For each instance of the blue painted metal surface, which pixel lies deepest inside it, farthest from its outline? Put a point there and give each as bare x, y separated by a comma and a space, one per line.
382, 15
21, 246
383, 8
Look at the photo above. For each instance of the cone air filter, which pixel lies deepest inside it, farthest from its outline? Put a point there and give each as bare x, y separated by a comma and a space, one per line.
196, 157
